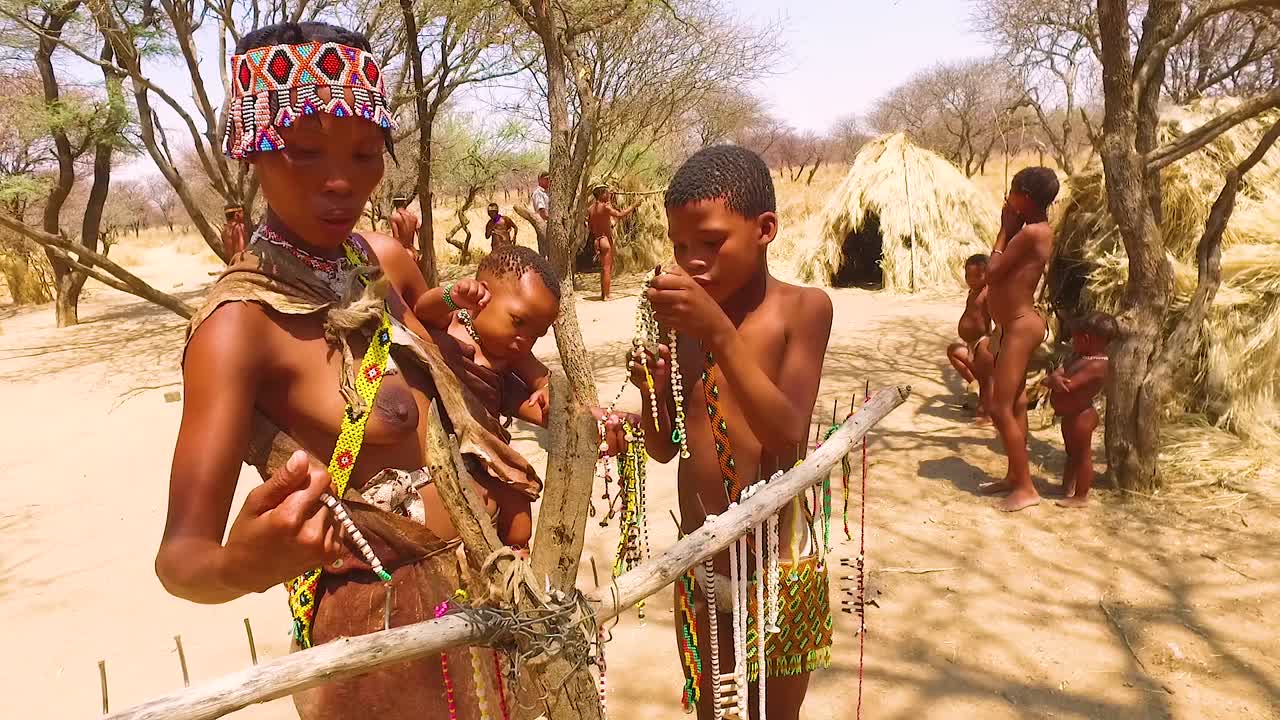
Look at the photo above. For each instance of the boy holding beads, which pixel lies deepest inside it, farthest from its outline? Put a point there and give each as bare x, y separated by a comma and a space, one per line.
756, 347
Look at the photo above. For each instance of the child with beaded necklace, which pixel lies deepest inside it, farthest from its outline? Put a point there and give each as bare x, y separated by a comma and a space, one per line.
757, 344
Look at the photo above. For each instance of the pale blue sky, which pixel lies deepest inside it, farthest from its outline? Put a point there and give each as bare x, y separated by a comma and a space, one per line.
835, 57
841, 55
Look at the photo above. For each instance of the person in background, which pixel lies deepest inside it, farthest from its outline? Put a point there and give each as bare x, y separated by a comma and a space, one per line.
405, 226
501, 231
233, 231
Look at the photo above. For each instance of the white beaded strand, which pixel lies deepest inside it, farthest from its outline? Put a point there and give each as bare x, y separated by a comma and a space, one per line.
761, 663
356, 536
740, 623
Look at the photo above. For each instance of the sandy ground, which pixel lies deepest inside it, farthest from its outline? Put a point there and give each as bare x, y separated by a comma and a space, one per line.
1010, 622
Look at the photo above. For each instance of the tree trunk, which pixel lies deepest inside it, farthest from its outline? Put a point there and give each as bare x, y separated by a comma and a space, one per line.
426, 117
66, 284
1133, 416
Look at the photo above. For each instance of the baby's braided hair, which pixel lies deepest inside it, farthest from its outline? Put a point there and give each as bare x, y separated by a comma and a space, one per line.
515, 261
725, 172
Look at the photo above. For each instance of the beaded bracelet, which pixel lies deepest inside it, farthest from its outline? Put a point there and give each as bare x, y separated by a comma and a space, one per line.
448, 298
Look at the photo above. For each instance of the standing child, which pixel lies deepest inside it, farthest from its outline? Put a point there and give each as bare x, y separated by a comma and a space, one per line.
971, 358
600, 218
233, 231
1018, 260
757, 345
1074, 390
501, 230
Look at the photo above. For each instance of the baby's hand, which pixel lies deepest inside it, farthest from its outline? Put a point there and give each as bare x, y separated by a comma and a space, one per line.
469, 294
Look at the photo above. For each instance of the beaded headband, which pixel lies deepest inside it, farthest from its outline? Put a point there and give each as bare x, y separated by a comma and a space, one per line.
271, 87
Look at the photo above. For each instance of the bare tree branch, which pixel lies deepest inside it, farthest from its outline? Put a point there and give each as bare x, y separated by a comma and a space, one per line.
1207, 133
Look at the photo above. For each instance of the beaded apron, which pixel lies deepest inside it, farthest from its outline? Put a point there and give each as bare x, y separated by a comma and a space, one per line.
302, 590
804, 644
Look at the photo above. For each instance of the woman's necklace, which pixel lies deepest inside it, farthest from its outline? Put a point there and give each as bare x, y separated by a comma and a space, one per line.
335, 273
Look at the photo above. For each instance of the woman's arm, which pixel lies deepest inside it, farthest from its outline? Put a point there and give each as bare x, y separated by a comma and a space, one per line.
282, 530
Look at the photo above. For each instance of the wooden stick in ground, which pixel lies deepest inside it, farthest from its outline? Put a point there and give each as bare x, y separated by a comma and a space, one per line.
102, 680
182, 660
348, 657
253, 649
466, 511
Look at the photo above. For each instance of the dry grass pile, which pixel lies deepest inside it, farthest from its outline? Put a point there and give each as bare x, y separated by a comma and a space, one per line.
1232, 383
641, 238
903, 187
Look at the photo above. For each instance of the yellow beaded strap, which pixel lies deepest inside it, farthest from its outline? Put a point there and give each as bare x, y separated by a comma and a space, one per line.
302, 589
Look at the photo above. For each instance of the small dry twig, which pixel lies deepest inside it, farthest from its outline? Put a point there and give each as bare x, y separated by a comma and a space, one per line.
912, 571
1125, 638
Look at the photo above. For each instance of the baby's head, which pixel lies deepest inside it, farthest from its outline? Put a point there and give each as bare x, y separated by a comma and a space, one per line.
1032, 191
524, 300
1093, 333
721, 216
975, 271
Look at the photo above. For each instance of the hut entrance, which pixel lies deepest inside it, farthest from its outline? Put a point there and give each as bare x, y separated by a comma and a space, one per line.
860, 257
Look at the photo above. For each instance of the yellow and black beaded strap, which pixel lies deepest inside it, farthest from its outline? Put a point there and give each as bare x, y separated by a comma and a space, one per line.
302, 589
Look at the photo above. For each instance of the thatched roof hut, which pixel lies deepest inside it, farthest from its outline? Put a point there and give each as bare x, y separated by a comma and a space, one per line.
1234, 380
893, 190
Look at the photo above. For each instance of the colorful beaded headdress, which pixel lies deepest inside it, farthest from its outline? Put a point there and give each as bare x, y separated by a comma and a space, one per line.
273, 86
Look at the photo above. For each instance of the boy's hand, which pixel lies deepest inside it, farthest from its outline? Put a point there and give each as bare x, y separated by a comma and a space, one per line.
283, 529
614, 441
659, 369
469, 294
681, 304
1010, 220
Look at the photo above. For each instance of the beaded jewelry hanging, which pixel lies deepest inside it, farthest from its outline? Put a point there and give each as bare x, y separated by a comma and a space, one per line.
441, 610
602, 685
690, 656
731, 695
713, 628
633, 526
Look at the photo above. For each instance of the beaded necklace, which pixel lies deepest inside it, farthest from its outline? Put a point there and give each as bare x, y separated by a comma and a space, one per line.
334, 272
303, 589
464, 317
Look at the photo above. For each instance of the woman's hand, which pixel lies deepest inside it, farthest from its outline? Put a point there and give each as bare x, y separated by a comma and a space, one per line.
614, 440
659, 366
283, 529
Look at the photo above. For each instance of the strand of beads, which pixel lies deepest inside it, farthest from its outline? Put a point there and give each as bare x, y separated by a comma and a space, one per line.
762, 670
729, 698
741, 589
774, 576
679, 434
502, 690
713, 627
603, 686
441, 610
356, 536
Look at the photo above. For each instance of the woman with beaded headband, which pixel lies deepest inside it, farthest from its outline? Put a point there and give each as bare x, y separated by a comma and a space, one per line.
306, 342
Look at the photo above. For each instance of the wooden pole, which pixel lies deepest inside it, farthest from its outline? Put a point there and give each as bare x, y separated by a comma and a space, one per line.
348, 657
182, 660
911, 214
102, 680
253, 649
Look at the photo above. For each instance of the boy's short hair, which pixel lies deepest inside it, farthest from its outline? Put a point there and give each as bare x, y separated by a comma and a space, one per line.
724, 172
979, 259
515, 261
1038, 183
493, 205
599, 190
399, 201
544, 175
1099, 325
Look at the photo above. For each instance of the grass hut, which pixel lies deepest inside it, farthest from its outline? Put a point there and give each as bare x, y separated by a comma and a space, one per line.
895, 192
1233, 381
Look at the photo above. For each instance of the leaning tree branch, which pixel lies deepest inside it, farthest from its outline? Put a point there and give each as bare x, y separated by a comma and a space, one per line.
1211, 130
136, 285
1186, 334
1160, 50
349, 657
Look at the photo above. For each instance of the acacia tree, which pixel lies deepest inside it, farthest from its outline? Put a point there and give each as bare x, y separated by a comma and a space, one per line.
82, 129
1144, 361
1052, 46
953, 108
450, 44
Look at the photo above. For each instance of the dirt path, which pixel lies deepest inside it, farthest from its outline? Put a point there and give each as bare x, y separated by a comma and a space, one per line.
1010, 626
